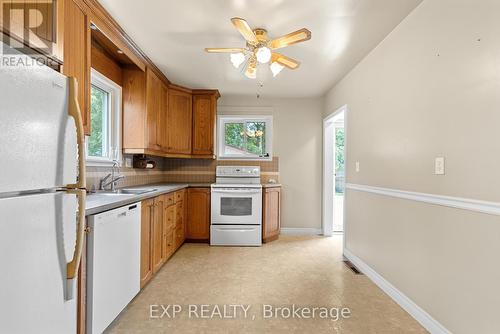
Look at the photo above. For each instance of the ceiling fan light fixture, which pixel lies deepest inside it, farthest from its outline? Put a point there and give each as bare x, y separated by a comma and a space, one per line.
260, 49
263, 54
252, 74
237, 59
276, 68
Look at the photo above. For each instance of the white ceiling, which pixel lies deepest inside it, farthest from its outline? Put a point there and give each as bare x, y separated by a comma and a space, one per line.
174, 33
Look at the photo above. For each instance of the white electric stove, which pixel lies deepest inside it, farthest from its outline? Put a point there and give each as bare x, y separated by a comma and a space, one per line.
236, 217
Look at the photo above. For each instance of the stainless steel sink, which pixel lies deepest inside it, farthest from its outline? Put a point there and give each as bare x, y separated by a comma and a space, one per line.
125, 191
136, 191
110, 194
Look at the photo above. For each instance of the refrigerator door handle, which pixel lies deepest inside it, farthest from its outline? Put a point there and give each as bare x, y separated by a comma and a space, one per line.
79, 189
72, 267
75, 112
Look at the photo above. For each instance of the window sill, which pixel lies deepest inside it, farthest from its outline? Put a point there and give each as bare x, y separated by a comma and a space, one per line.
100, 163
246, 158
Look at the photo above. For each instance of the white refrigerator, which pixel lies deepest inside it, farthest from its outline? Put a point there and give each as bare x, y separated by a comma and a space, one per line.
42, 197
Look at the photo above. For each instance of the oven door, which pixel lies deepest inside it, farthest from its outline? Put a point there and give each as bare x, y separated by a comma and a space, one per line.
237, 206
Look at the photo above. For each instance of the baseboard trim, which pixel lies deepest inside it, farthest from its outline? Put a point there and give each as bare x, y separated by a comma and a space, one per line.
424, 318
492, 208
300, 231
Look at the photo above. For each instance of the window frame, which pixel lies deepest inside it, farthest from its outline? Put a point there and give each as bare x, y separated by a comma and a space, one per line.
114, 121
223, 119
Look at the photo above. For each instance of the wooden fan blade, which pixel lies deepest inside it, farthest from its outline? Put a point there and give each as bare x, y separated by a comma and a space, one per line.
224, 50
245, 30
285, 61
251, 71
291, 38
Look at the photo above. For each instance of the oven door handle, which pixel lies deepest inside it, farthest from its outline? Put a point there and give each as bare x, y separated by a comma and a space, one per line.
236, 191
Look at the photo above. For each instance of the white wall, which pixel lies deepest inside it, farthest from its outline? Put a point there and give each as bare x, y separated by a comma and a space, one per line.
297, 140
431, 88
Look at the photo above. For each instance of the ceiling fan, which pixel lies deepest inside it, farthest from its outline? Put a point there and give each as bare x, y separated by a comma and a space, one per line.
260, 49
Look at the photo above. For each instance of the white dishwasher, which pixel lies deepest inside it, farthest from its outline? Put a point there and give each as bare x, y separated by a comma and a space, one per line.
113, 264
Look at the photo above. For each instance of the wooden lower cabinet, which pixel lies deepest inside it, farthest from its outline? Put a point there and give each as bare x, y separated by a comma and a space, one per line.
271, 199
179, 236
168, 231
180, 227
162, 231
170, 242
158, 235
198, 216
147, 217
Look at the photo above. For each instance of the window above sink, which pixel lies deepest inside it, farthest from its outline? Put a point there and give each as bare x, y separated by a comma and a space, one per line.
103, 146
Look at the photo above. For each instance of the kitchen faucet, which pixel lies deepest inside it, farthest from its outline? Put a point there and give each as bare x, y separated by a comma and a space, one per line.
114, 179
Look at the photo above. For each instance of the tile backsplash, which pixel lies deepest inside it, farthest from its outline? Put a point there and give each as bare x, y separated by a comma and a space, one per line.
180, 171
203, 171
133, 177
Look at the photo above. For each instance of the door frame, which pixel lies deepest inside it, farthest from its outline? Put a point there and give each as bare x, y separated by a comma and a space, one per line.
329, 169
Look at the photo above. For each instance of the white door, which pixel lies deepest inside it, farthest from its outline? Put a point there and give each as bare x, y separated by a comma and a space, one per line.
37, 239
333, 178
339, 178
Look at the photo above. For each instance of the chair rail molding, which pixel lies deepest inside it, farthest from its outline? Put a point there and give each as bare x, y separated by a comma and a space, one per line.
492, 208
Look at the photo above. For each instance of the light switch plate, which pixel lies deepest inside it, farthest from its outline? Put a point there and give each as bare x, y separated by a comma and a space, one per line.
439, 166
357, 166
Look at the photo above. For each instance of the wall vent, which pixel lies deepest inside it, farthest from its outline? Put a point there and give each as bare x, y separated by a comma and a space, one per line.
353, 267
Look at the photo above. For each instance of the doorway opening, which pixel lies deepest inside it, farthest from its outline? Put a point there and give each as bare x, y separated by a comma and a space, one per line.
334, 174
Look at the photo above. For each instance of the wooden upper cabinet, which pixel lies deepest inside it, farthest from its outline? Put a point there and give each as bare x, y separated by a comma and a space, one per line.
144, 111
77, 56
153, 106
38, 25
271, 216
163, 118
204, 118
134, 110
179, 120
103, 63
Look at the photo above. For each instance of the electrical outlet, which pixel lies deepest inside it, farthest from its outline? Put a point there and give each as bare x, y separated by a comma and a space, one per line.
357, 166
128, 162
439, 166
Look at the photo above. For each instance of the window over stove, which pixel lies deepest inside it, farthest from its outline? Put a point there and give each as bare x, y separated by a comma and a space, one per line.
245, 137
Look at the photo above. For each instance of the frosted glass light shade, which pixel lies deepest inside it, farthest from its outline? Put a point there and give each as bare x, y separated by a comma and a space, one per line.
276, 68
263, 55
237, 59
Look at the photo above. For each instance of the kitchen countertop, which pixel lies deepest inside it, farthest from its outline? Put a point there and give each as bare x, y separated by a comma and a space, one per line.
271, 185
98, 202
